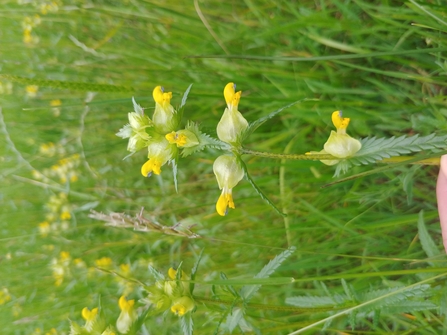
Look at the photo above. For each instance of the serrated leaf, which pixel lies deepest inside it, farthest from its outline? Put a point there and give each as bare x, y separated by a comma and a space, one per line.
234, 318
257, 189
155, 274
247, 292
187, 324
348, 290
310, 301
427, 242
204, 141
375, 149
229, 287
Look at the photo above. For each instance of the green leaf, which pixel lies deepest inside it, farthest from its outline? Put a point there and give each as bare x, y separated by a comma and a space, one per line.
229, 287
155, 274
194, 271
204, 141
247, 292
234, 318
257, 189
375, 149
310, 301
174, 171
137, 108
427, 242
187, 324
185, 96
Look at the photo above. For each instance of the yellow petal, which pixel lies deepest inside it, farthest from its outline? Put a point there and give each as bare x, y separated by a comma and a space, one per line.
339, 121
152, 165
231, 96
89, 315
124, 304
225, 200
161, 97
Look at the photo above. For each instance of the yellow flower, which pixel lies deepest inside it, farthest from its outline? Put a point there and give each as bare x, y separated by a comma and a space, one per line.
65, 215
90, 317
165, 116
228, 174
103, 262
127, 316
182, 305
159, 153
31, 90
44, 228
232, 124
182, 138
340, 144
4, 296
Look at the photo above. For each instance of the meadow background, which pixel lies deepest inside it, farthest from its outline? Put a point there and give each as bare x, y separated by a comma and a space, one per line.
68, 72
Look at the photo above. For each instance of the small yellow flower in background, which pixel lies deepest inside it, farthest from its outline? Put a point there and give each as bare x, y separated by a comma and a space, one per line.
52, 331
47, 149
160, 151
44, 228
65, 215
228, 174
165, 116
4, 296
31, 91
49, 7
104, 262
182, 305
182, 138
90, 317
79, 263
232, 124
340, 144
55, 104
127, 316
60, 267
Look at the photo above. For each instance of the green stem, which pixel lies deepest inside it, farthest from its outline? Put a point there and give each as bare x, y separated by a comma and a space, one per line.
310, 157
319, 157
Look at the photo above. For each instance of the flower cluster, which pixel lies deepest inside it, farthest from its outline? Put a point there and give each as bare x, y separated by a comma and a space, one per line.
95, 323
162, 138
160, 135
172, 293
58, 214
66, 168
29, 23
